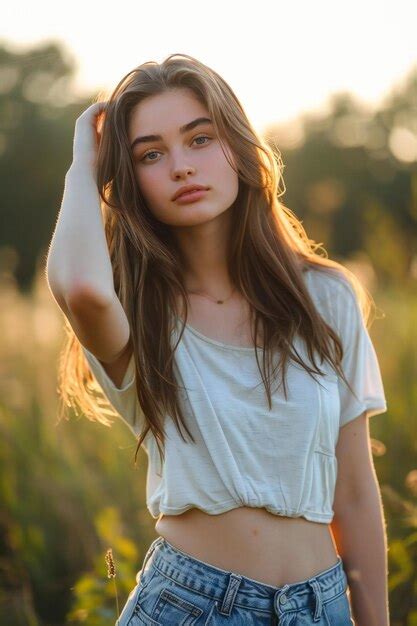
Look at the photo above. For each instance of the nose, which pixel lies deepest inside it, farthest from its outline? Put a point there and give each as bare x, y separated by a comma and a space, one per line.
181, 172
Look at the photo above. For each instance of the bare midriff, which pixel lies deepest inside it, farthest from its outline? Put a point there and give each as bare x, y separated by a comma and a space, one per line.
253, 542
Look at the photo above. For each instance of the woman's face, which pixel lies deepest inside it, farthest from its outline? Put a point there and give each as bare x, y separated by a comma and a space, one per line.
179, 158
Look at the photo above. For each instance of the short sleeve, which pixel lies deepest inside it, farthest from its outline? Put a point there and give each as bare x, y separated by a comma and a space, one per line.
123, 399
360, 362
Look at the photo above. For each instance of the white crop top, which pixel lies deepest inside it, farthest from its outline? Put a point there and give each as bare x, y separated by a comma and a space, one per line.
245, 455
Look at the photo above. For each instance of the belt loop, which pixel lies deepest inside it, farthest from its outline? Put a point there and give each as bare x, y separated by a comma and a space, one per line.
230, 595
317, 595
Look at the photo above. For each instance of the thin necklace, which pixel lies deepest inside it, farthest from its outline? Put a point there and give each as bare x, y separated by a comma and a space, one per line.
200, 293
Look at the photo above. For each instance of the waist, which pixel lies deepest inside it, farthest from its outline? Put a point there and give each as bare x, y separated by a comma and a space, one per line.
253, 542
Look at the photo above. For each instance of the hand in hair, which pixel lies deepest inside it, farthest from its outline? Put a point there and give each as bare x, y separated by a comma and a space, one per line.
87, 136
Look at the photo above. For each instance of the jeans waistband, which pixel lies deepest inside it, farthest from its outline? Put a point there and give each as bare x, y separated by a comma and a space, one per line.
229, 588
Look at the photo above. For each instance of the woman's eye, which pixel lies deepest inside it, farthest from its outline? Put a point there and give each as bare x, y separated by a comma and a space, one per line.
201, 137
147, 154
156, 151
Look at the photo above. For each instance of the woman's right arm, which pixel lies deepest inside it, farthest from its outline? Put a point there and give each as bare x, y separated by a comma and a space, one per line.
78, 259
79, 271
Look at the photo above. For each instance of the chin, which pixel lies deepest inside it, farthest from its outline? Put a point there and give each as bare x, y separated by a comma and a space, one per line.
189, 214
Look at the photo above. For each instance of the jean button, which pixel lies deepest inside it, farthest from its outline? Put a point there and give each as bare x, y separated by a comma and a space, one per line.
283, 598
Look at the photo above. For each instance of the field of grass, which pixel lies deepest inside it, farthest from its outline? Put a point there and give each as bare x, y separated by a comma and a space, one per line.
69, 491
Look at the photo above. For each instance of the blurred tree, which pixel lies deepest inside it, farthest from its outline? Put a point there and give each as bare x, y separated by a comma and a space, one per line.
340, 157
37, 112
341, 162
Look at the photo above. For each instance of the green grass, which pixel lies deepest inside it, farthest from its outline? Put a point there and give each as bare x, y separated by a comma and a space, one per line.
70, 491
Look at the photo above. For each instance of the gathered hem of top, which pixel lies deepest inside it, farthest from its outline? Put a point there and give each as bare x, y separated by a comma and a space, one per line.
228, 505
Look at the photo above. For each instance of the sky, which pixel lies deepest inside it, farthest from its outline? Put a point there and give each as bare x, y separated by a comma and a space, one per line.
281, 59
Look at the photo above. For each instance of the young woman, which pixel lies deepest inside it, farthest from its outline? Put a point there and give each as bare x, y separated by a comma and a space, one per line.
188, 289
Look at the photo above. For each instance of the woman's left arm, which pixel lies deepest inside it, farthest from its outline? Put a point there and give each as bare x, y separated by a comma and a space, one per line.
358, 525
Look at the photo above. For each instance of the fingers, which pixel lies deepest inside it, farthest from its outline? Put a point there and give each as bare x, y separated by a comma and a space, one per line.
98, 112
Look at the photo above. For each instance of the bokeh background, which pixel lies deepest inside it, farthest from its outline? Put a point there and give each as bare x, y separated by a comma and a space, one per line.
334, 86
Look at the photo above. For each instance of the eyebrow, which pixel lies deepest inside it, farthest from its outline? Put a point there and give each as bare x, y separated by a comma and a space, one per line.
183, 129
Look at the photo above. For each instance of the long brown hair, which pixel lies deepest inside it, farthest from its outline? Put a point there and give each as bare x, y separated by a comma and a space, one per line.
266, 256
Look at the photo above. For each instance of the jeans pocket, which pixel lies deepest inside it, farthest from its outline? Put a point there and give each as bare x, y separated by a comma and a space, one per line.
166, 602
173, 607
337, 611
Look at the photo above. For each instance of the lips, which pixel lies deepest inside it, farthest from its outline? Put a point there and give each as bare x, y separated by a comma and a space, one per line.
191, 196
188, 189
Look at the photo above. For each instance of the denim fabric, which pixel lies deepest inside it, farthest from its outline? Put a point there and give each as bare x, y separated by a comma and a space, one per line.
176, 589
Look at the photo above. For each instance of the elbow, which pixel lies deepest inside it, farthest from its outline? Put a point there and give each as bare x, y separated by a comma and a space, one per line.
75, 293
80, 296
350, 506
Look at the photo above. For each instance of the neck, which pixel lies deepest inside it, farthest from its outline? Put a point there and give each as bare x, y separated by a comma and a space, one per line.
204, 253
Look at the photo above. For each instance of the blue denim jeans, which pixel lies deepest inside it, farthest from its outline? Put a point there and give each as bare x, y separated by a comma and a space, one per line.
175, 589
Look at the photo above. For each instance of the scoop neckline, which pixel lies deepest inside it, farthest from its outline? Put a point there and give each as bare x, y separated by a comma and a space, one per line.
220, 344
